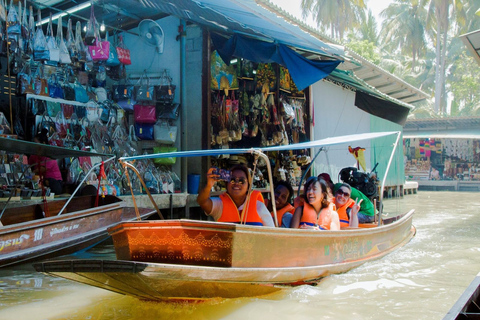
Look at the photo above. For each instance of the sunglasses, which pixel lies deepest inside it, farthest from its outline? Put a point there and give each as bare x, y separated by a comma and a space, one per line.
345, 194
238, 180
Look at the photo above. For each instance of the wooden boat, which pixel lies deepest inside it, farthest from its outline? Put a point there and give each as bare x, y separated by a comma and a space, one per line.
468, 305
57, 227
198, 260
26, 235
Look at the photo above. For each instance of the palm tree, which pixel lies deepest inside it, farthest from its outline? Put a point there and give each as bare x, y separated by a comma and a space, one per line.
404, 29
439, 21
336, 15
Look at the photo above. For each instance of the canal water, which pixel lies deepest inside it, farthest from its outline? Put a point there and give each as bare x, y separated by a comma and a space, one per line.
422, 280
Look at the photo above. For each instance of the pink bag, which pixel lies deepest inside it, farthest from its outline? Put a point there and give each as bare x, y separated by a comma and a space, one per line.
100, 50
144, 114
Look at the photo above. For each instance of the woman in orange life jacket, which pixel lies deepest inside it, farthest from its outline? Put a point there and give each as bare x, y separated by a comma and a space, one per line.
283, 196
316, 211
228, 207
347, 209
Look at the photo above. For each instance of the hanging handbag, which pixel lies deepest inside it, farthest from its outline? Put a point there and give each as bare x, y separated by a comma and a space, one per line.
144, 131
79, 46
144, 92
169, 111
112, 60
70, 42
68, 92
40, 85
123, 52
55, 90
165, 93
164, 161
53, 108
40, 47
64, 57
144, 114
80, 93
92, 27
24, 81
100, 50
165, 133
52, 43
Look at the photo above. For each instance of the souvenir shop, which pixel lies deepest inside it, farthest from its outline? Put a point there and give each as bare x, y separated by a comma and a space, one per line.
78, 86
442, 159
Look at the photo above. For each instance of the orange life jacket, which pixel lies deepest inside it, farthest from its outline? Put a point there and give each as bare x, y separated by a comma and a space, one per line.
342, 213
280, 212
309, 217
230, 211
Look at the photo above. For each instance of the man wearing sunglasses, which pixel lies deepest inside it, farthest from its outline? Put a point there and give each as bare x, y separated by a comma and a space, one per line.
366, 214
347, 208
229, 206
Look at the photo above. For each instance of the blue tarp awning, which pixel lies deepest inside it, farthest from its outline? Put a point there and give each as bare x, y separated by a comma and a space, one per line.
246, 17
303, 71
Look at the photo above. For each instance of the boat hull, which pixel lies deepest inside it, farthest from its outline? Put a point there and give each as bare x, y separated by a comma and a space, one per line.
272, 258
55, 235
468, 305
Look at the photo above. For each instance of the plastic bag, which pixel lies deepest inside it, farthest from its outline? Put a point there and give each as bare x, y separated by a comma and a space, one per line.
4, 125
40, 47
64, 54
52, 43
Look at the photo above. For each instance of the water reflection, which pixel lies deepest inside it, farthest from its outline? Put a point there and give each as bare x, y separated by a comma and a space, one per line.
422, 280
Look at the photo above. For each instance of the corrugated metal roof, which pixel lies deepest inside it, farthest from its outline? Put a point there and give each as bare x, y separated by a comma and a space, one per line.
458, 127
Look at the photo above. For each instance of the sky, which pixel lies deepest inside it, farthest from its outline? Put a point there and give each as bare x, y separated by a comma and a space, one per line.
293, 7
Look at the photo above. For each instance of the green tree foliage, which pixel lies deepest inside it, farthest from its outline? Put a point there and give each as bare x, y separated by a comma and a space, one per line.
338, 16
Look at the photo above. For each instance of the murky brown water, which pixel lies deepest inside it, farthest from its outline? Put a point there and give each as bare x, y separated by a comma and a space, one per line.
422, 280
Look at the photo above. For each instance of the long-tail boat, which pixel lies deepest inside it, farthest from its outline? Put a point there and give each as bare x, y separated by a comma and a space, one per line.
198, 260
60, 226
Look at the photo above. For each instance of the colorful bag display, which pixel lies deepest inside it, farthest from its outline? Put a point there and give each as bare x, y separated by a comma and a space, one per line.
144, 114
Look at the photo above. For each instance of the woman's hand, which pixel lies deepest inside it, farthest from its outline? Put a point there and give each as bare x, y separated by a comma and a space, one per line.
212, 177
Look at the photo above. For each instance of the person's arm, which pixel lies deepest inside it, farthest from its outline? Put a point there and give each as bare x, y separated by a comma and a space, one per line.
203, 198
297, 216
265, 215
335, 223
354, 214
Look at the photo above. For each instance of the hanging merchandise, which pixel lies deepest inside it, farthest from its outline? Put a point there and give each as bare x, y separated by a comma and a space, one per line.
80, 93
123, 52
169, 111
165, 93
144, 131
70, 42
64, 54
123, 94
52, 44
82, 52
144, 113
40, 47
55, 89
112, 60
100, 50
223, 77
92, 27
24, 80
31, 32
13, 23
164, 161
144, 92
40, 84
164, 132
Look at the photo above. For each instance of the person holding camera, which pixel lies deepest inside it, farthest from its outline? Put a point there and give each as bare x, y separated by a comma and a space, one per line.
234, 205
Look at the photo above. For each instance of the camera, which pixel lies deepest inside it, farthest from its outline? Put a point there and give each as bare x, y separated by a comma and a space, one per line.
223, 174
